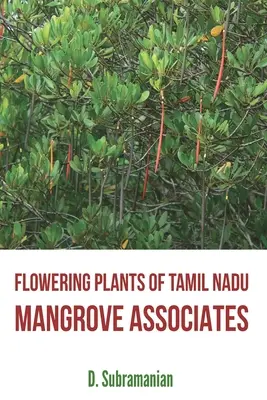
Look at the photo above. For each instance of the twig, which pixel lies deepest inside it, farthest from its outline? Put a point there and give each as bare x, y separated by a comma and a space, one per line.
244, 233
265, 198
105, 177
131, 156
29, 123
203, 211
238, 11
224, 221
122, 193
186, 3
90, 180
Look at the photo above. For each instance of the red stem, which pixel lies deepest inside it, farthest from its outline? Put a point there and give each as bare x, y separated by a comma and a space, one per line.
68, 163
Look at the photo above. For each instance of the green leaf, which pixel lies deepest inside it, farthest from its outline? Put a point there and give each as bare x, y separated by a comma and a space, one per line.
260, 89
95, 170
46, 33
264, 241
146, 60
17, 229
262, 63
53, 4
76, 164
184, 158
87, 122
144, 97
163, 219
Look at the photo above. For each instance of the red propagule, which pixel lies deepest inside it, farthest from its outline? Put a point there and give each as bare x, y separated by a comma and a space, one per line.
216, 91
219, 79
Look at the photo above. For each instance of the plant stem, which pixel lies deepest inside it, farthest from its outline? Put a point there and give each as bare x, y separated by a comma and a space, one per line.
199, 130
203, 205
90, 180
171, 23
203, 212
131, 156
29, 123
161, 129
243, 231
115, 200
7, 153
136, 190
265, 198
224, 221
238, 11
122, 193
226, 26
78, 152
186, 3
104, 178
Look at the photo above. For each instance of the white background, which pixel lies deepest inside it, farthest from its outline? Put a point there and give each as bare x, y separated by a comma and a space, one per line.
205, 365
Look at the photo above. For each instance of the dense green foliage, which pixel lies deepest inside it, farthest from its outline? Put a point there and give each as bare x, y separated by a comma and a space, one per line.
81, 81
